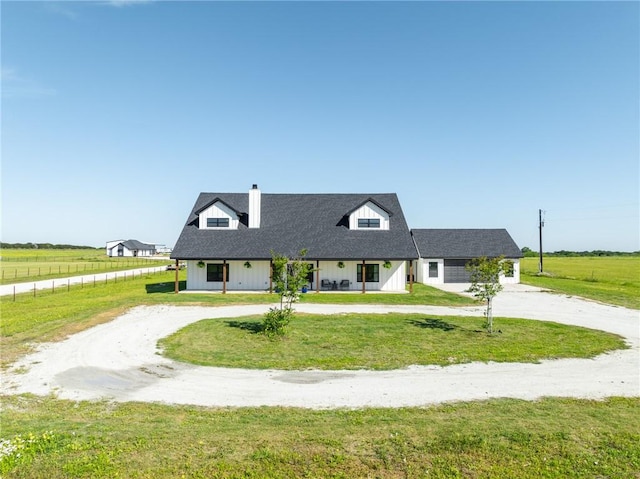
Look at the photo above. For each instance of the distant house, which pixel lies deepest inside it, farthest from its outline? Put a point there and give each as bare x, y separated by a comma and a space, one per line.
129, 248
444, 253
162, 249
354, 242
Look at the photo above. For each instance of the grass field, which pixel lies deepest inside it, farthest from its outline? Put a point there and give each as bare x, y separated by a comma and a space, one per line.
380, 341
25, 265
551, 438
609, 279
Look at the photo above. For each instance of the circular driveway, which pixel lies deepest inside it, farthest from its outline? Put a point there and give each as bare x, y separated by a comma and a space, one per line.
120, 361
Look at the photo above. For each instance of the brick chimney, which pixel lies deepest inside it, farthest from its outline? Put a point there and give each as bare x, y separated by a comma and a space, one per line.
254, 207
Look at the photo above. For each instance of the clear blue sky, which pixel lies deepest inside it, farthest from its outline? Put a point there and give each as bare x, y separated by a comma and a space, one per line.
116, 115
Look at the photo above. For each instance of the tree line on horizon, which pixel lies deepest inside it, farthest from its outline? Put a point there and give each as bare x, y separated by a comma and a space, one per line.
528, 252
44, 246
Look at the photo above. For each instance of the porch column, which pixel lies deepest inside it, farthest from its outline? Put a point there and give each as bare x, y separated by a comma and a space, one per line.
411, 276
317, 276
224, 276
177, 283
364, 276
271, 276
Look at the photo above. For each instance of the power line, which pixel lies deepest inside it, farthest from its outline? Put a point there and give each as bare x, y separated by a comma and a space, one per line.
540, 226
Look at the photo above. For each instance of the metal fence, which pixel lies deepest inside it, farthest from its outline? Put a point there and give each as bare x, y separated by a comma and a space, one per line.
9, 274
53, 286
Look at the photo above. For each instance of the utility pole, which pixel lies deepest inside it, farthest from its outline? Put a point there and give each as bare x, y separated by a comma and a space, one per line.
540, 225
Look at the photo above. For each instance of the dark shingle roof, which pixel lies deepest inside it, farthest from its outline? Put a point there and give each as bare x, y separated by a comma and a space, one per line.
465, 243
290, 222
139, 245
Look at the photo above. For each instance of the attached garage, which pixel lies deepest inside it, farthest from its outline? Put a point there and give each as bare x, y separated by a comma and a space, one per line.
455, 271
444, 253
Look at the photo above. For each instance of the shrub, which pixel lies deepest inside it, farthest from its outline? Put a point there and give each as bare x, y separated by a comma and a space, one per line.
275, 321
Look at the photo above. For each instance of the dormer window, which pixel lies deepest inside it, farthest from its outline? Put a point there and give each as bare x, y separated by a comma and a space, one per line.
218, 215
369, 223
217, 222
369, 215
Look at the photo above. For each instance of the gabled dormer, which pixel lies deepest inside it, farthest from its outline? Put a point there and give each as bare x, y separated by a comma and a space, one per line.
370, 216
218, 215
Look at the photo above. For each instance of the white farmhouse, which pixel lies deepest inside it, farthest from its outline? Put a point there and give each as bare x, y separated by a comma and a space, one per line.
354, 242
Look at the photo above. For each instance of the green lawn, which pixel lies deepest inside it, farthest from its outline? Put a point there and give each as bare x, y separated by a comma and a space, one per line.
380, 341
51, 316
551, 438
609, 279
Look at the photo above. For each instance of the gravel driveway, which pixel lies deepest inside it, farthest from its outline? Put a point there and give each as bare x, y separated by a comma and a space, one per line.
119, 361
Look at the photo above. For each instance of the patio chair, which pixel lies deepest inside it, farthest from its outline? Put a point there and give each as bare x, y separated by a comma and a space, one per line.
344, 284
325, 284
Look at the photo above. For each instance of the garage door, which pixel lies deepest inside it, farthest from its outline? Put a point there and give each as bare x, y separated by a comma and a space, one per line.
455, 272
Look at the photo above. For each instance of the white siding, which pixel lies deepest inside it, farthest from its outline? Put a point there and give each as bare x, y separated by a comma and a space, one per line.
126, 252
369, 210
516, 273
110, 245
255, 203
218, 210
392, 279
241, 278
422, 273
256, 278
113, 251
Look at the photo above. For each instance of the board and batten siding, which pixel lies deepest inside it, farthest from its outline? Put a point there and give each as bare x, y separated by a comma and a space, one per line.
218, 210
241, 278
256, 278
369, 210
392, 279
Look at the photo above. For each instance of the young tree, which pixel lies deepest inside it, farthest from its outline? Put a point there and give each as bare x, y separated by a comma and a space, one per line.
485, 282
289, 276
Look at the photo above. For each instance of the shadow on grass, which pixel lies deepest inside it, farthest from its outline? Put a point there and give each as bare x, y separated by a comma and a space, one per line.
432, 323
168, 287
252, 326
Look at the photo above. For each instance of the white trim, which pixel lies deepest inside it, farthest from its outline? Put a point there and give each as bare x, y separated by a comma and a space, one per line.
369, 211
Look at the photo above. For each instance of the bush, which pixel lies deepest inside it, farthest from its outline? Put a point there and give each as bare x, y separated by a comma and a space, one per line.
275, 321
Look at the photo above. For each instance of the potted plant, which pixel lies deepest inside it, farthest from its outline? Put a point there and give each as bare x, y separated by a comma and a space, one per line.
247, 264
340, 264
387, 264
200, 264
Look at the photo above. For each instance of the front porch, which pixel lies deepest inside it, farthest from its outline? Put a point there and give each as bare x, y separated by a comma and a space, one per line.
330, 276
